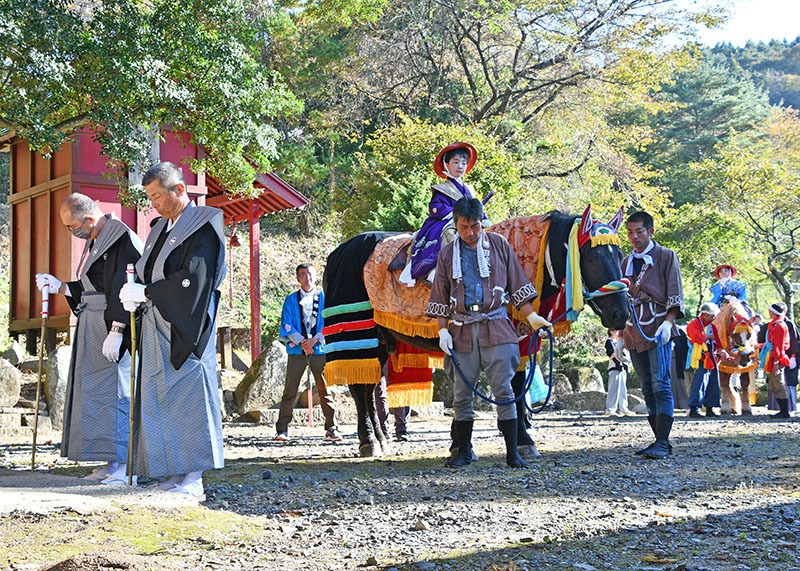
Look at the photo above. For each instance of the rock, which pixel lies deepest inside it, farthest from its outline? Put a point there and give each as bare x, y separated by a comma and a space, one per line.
372, 560
442, 388
635, 401
425, 565
10, 383
228, 403
561, 386
55, 386
262, 385
585, 379
14, 354
422, 525
587, 400
266, 475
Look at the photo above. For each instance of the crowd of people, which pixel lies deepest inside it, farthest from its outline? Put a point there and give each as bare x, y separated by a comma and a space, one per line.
473, 275
705, 376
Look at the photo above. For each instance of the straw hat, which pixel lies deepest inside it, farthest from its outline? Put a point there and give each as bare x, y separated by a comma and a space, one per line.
438, 162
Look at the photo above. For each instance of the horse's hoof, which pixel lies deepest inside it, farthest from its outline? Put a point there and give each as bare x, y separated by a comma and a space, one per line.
370, 450
528, 451
385, 447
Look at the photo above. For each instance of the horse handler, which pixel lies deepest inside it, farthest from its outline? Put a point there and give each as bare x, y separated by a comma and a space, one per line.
477, 275
657, 296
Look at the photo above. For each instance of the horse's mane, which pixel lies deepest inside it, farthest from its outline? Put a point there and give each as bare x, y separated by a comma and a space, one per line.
557, 237
560, 226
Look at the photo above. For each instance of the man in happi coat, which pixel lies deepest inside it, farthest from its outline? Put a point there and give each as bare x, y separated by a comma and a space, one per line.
301, 332
478, 274
656, 293
177, 422
97, 405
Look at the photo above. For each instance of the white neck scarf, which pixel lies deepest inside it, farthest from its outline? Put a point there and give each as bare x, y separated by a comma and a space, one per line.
648, 260
482, 248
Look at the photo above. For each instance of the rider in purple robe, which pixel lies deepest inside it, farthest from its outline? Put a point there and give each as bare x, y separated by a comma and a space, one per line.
451, 164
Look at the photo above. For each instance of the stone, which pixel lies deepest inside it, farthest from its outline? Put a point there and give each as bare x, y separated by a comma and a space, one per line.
442, 388
561, 386
14, 354
584, 379
422, 525
634, 402
10, 383
587, 400
262, 385
55, 385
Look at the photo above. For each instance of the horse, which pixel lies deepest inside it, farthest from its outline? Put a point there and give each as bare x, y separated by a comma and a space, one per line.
736, 341
371, 317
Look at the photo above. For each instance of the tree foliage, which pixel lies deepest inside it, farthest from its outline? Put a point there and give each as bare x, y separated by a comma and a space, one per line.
701, 105
756, 178
122, 66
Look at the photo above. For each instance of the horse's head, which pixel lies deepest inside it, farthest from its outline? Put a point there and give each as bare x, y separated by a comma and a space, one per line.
735, 330
601, 259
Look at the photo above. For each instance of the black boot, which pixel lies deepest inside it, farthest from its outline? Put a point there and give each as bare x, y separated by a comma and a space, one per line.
463, 432
694, 412
660, 448
710, 412
509, 429
783, 404
454, 444
652, 420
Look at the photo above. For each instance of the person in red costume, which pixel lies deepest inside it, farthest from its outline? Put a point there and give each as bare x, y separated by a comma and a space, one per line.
777, 359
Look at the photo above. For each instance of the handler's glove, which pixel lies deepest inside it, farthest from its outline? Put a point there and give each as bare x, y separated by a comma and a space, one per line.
131, 295
445, 341
792, 362
537, 322
111, 346
664, 331
51, 283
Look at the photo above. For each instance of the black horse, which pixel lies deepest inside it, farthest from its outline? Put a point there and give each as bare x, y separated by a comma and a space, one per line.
600, 264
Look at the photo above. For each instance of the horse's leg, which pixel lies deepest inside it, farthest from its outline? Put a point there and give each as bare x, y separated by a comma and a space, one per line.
744, 381
362, 394
374, 423
725, 390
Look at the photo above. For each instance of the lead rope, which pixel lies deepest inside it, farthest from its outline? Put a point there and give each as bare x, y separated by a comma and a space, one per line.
608, 289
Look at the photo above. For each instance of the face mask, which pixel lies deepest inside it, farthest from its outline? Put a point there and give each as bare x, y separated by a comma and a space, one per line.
80, 233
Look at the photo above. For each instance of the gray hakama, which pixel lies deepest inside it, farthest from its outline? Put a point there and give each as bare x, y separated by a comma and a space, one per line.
97, 405
178, 423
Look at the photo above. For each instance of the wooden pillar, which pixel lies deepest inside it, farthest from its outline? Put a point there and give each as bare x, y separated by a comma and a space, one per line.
255, 281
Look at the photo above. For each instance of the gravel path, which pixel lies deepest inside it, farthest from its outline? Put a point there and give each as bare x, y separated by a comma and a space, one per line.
728, 498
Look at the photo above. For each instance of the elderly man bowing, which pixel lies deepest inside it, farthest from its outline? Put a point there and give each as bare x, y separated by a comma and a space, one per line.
177, 422
97, 404
477, 275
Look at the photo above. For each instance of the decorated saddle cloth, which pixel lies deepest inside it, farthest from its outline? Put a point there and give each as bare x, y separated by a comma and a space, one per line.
352, 351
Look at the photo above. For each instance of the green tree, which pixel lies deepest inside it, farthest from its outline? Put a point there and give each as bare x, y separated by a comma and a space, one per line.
703, 104
756, 179
704, 236
116, 66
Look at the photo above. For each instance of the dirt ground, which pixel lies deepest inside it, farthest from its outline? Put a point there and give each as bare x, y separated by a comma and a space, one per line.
727, 499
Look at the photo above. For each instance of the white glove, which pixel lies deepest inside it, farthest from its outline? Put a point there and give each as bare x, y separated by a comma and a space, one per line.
792, 362
537, 322
445, 341
52, 284
664, 331
131, 295
111, 346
